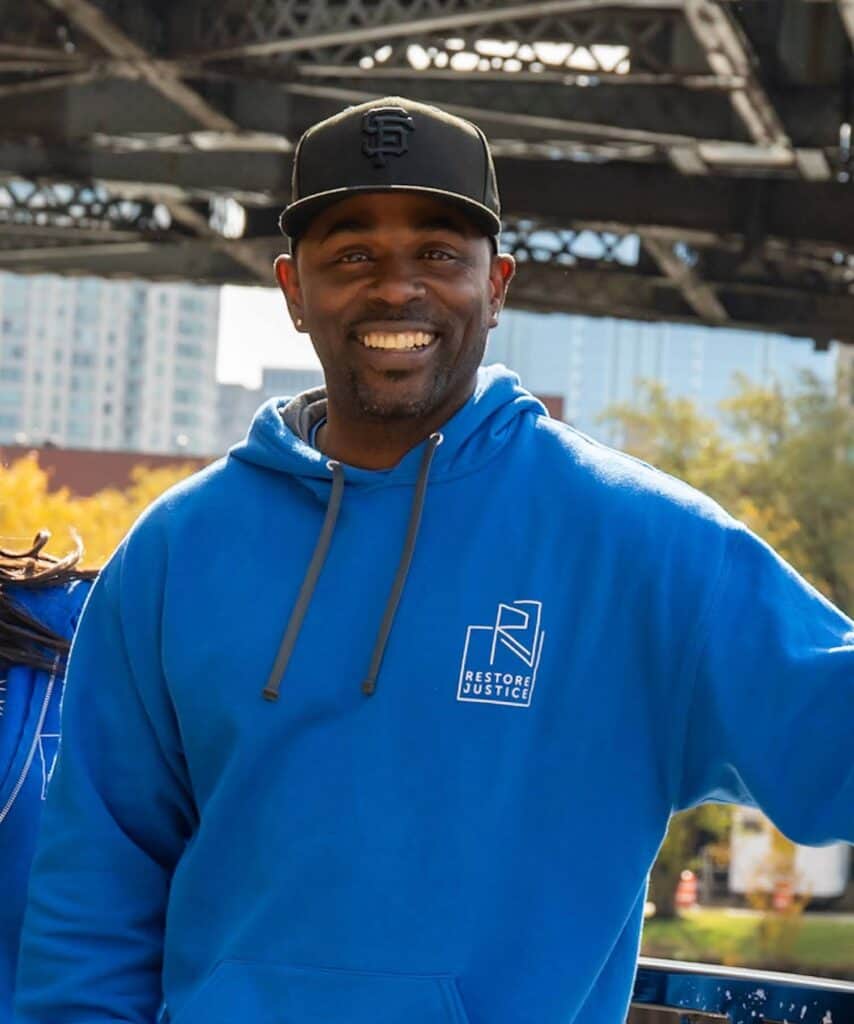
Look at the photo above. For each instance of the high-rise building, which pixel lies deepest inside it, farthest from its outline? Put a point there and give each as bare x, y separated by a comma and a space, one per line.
290, 381
89, 363
593, 363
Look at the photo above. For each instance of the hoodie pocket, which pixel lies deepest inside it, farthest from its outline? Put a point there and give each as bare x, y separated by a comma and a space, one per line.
265, 993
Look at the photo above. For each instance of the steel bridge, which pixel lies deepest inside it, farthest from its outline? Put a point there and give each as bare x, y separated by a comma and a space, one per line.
683, 160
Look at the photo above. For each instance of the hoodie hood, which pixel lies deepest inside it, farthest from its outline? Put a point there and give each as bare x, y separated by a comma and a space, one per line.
472, 436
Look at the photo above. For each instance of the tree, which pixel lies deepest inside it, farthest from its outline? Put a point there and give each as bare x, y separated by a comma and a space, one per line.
27, 505
687, 834
785, 467
797, 479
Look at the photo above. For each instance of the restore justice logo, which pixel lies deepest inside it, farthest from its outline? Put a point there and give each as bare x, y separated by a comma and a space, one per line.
500, 661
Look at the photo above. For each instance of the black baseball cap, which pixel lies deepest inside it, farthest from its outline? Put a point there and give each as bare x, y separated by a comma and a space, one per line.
389, 145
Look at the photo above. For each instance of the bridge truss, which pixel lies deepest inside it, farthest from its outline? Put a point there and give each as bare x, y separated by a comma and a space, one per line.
686, 160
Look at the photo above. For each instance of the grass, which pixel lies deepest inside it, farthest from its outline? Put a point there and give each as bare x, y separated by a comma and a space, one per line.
810, 944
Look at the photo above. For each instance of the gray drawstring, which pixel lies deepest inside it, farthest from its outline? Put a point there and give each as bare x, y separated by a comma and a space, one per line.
369, 686
321, 549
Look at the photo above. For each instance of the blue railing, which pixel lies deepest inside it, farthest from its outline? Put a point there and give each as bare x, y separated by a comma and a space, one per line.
703, 992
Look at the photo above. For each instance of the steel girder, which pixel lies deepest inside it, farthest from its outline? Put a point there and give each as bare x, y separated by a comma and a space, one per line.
706, 139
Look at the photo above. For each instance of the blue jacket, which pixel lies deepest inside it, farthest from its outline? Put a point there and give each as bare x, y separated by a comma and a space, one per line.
446, 808
29, 740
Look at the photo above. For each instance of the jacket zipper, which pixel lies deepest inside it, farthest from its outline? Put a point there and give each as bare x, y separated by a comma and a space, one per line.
32, 752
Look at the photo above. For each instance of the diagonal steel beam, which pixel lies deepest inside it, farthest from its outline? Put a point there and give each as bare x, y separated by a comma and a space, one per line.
509, 119
46, 253
243, 253
697, 83
49, 82
728, 54
699, 295
436, 23
846, 12
160, 75
690, 155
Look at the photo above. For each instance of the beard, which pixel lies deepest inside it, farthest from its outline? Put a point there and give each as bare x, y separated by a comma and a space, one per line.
403, 395
401, 400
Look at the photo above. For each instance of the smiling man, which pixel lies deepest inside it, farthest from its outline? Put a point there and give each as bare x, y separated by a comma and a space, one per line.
381, 719
396, 273
398, 292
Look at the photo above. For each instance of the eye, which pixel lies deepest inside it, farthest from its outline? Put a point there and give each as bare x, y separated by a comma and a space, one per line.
437, 254
352, 257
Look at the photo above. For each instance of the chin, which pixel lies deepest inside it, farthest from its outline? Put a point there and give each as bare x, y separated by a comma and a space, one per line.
398, 400
395, 407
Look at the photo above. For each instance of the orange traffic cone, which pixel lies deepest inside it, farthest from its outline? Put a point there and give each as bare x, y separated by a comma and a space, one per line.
686, 890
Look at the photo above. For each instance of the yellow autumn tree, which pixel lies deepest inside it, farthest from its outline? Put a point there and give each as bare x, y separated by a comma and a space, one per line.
27, 505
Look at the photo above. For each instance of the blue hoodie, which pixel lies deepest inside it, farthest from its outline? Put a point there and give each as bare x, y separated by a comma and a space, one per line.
29, 740
581, 646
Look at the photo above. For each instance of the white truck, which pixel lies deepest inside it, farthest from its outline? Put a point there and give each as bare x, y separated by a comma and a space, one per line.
820, 872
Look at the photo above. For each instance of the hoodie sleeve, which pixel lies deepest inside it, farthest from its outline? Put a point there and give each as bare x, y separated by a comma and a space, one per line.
117, 817
771, 718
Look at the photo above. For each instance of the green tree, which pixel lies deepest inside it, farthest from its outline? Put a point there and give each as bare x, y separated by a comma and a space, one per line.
687, 834
797, 471
785, 467
671, 434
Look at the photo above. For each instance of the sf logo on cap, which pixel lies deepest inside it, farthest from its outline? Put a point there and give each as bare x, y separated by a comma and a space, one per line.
385, 133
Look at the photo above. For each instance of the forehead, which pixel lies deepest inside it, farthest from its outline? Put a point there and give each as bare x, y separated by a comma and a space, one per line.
390, 211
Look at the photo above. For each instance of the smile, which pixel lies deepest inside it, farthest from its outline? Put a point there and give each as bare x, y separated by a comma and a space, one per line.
397, 339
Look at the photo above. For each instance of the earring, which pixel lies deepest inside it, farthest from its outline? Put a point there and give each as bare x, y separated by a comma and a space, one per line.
299, 322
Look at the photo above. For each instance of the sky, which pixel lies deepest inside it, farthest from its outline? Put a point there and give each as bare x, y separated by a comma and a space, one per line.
254, 331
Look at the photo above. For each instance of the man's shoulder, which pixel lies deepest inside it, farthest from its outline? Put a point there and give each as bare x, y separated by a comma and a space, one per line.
204, 495
615, 483
202, 491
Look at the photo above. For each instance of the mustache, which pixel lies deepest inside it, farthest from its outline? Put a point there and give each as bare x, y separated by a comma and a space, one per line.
416, 311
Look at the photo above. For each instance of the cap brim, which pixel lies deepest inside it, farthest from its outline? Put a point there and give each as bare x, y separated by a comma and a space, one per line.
295, 218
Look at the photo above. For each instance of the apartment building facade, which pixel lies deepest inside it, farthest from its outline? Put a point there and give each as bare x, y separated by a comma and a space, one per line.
116, 365
593, 363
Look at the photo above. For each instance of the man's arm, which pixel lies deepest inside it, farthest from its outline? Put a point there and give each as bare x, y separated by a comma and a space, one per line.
117, 817
771, 718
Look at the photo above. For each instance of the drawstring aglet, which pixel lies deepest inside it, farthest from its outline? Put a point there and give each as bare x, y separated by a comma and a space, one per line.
369, 687
269, 693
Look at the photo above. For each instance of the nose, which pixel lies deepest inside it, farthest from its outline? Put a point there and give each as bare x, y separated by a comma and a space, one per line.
397, 281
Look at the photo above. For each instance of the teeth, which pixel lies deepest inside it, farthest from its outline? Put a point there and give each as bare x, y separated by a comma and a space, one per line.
399, 339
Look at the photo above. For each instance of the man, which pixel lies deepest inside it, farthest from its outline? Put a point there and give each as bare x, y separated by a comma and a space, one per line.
505, 654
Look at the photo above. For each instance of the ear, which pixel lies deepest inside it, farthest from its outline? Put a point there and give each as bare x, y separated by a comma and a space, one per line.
500, 275
288, 278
